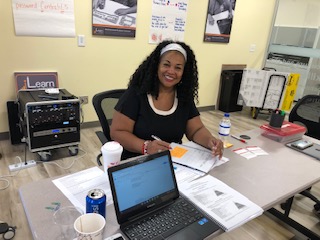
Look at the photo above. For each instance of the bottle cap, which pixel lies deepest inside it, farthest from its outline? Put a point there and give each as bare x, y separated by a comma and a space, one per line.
226, 114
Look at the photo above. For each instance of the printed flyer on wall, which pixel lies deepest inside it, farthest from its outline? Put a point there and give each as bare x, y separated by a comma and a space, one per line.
168, 20
219, 20
114, 17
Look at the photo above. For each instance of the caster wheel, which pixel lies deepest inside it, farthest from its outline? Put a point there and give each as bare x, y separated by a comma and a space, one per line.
44, 156
73, 151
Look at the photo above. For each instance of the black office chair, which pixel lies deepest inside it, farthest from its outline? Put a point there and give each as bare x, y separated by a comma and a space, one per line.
306, 112
104, 104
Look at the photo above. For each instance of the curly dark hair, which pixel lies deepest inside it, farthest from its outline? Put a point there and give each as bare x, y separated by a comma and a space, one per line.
146, 80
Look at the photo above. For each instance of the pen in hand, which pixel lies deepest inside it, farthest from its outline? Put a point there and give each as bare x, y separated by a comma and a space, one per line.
156, 138
161, 144
238, 138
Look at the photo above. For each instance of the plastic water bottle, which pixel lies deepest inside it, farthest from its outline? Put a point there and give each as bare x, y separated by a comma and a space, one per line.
224, 129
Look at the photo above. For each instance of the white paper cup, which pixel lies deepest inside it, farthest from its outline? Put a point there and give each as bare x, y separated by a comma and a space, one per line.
90, 226
111, 153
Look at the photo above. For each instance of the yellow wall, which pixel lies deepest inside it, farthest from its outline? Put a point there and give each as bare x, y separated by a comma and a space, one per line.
107, 62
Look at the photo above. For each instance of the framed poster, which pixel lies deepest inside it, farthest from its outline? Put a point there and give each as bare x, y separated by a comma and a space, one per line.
219, 20
114, 17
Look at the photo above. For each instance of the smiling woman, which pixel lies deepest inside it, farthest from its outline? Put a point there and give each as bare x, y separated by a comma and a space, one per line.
170, 69
160, 101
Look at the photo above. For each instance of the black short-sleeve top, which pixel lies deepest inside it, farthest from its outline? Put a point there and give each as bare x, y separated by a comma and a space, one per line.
169, 126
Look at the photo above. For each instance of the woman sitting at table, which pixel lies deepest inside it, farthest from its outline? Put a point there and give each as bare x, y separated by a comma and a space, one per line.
159, 102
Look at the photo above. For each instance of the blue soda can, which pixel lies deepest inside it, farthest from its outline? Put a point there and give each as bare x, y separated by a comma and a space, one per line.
96, 202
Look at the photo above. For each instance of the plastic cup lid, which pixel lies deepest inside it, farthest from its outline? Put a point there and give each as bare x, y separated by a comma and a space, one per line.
112, 146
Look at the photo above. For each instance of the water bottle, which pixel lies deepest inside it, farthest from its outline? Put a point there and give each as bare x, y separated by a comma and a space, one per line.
224, 129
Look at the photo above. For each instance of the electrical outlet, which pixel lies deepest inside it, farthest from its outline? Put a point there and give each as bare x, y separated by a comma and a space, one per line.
83, 99
22, 165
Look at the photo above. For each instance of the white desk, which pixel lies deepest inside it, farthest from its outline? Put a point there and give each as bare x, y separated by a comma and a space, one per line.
270, 179
265, 180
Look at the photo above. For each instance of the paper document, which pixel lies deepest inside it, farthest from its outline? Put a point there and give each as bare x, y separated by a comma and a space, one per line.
250, 152
185, 174
195, 156
76, 186
227, 207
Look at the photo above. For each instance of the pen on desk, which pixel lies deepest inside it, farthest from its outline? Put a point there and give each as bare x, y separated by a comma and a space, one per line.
238, 138
156, 138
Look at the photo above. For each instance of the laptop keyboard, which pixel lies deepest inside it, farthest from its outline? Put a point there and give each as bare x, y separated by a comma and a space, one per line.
164, 223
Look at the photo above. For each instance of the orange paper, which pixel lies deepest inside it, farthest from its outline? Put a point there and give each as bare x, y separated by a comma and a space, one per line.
178, 152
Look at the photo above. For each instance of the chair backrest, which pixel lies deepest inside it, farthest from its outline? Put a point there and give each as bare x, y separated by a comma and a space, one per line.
306, 112
104, 104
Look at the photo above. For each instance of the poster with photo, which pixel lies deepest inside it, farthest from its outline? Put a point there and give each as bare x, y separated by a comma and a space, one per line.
219, 20
114, 18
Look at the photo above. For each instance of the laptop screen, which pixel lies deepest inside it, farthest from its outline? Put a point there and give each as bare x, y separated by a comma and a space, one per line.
142, 184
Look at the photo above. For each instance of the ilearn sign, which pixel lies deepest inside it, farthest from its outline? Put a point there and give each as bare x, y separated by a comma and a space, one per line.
36, 80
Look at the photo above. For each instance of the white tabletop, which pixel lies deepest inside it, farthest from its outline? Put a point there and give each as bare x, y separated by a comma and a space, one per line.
265, 180
270, 179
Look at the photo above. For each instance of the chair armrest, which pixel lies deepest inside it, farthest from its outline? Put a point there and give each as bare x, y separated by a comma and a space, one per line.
98, 159
101, 137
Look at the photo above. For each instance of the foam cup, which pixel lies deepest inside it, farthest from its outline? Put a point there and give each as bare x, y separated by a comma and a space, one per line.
111, 153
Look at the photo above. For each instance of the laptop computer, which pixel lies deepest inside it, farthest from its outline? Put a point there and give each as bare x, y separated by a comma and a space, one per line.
146, 198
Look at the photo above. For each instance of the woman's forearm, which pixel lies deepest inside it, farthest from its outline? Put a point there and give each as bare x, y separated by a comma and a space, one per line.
128, 141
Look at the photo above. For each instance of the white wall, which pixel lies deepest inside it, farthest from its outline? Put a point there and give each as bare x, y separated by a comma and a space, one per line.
298, 13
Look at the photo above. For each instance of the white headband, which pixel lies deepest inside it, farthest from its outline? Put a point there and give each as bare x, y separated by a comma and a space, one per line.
174, 47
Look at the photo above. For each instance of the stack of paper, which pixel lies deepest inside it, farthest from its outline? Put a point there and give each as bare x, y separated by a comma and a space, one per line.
195, 156
227, 207
77, 185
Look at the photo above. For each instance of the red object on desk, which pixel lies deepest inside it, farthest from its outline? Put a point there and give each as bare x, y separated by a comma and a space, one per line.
288, 132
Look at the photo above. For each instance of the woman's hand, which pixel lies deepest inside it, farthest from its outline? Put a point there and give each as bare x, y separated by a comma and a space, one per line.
157, 146
216, 146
